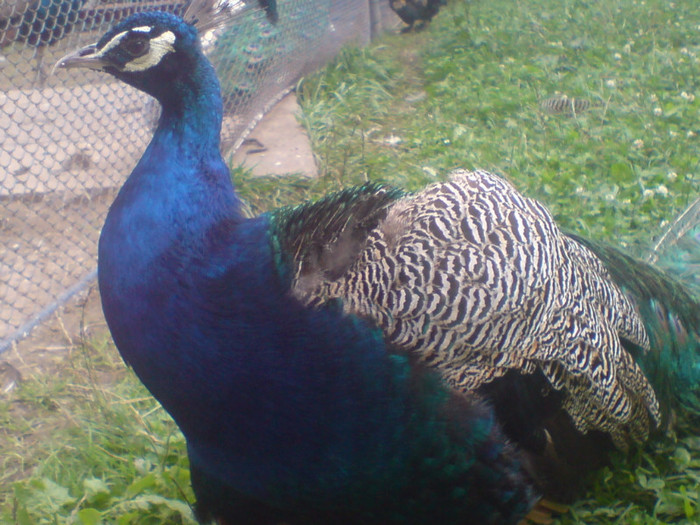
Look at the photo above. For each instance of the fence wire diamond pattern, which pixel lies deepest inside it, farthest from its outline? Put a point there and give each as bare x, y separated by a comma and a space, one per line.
68, 141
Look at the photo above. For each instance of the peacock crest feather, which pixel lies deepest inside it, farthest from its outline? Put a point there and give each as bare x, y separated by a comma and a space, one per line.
208, 15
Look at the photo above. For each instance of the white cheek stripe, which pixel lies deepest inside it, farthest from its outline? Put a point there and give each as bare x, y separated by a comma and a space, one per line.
160, 46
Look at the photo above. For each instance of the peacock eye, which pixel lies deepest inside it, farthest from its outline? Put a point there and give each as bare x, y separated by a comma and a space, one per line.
136, 46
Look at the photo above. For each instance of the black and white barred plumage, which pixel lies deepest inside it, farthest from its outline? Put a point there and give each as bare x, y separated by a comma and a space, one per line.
564, 105
476, 280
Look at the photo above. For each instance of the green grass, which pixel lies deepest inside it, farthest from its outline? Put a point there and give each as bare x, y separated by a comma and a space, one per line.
467, 92
87, 444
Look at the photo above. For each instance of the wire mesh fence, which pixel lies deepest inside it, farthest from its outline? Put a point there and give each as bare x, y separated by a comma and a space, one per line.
68, 141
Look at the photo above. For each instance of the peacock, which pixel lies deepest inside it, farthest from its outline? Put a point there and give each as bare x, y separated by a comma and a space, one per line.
376, 357
412, 11
242, 55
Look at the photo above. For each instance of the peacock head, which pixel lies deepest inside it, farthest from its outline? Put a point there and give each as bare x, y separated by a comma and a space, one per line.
153, 51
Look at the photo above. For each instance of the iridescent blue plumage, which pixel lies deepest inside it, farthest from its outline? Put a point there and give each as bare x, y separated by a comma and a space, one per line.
367, 359
290, 413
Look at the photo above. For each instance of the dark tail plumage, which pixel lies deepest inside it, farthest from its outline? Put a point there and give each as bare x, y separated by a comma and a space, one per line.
413, 11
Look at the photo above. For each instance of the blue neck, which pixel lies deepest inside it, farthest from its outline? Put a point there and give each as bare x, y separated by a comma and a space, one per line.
170, 207
192, 109
277, 400
260, 385
196, 306
181, 186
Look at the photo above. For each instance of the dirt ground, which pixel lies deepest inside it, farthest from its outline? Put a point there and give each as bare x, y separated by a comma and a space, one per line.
55, 189
47, 346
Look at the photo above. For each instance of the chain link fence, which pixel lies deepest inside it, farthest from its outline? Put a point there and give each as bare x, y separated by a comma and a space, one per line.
69, 141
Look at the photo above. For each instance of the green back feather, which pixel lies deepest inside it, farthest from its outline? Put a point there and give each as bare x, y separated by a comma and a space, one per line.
325, 236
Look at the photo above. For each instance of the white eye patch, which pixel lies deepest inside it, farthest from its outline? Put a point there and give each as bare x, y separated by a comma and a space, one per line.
158, 48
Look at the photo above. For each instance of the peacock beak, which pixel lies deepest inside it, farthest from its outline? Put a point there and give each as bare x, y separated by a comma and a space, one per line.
84, 57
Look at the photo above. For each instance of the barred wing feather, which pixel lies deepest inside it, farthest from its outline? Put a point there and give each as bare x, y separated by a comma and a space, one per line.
476, 279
